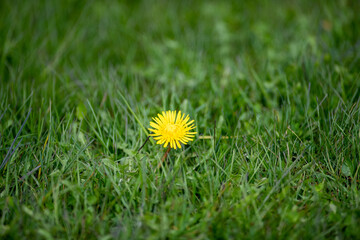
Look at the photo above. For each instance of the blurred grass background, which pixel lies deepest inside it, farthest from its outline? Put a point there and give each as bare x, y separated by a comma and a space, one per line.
279, 77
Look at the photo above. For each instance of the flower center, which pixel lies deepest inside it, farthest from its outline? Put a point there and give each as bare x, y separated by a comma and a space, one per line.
171, 129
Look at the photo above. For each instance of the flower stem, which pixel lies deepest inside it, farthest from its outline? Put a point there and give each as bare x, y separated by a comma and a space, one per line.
164, 157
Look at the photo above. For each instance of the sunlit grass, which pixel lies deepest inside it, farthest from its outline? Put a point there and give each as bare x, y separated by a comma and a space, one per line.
273, 88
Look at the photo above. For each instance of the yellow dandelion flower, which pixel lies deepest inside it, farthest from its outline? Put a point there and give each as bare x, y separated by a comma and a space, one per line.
172, 128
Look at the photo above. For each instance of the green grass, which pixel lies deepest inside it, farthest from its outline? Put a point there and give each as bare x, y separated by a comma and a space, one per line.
279, 78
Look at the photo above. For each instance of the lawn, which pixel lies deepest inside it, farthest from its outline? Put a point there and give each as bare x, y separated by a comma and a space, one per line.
273, 87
